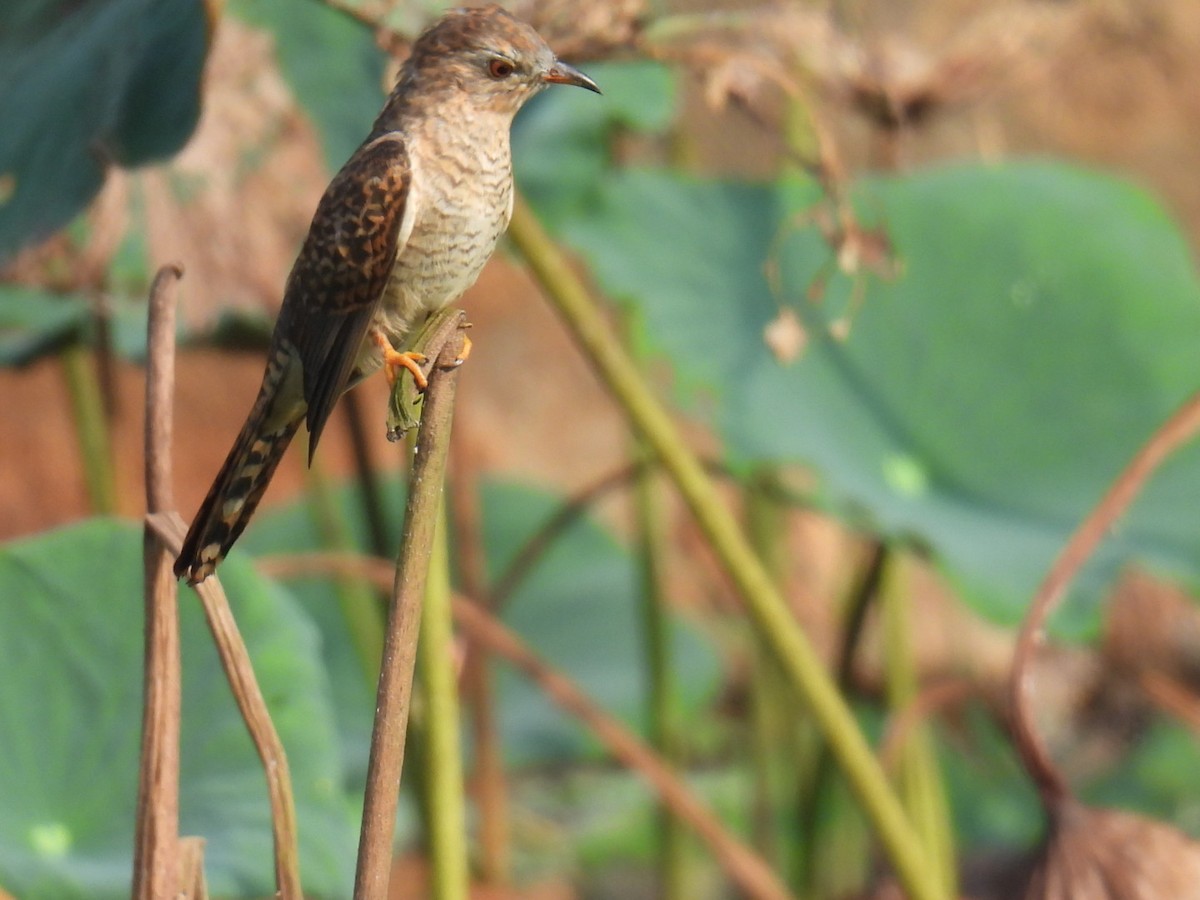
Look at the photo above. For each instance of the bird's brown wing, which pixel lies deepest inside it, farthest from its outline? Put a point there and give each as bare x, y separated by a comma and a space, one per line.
342, 271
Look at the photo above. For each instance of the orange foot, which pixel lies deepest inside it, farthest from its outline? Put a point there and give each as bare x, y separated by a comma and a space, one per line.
393, 360
465, 352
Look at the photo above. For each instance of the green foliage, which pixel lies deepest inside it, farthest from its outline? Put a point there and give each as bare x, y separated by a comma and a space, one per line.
70, 713
579, 611
562, 140
1041, 325
34, 323
1157, 777
84, 85
1038, 323
72, 740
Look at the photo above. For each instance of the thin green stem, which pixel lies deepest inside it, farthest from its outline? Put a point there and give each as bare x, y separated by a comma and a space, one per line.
443, 760
661, 725
796, 654
357, 599
91, 425
919, 779
770, 710
370, 490
818, 793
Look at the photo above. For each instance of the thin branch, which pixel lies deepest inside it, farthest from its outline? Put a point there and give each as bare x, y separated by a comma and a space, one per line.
235, 660
156, 867
931, 699
192, 884
562, 518
752, 875
160, 390
1174, 432
400, 643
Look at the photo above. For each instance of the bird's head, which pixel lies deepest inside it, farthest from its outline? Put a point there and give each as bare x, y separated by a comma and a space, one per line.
491, 57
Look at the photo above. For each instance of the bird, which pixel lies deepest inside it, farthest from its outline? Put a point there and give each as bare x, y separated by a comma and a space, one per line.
402, 230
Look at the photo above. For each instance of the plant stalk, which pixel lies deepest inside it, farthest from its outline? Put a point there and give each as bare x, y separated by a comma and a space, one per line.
156, 853
661, 726
918, 776
447, 821
91, 424
796, 654
400, 642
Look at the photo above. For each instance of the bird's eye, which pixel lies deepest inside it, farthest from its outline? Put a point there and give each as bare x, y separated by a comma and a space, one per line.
500, 68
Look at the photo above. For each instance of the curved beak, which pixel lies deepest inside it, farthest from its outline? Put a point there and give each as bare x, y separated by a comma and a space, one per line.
561, 73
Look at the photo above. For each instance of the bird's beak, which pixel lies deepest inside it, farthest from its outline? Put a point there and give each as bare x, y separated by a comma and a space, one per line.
561, 73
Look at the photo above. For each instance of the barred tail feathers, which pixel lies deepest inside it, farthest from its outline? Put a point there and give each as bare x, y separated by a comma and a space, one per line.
235, 493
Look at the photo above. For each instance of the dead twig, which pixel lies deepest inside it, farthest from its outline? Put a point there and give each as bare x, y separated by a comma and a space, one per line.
235, 660
166, 866
400, 642
1033, 753
156, 867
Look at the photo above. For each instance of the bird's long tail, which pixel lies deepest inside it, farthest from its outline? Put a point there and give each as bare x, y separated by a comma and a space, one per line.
238, 487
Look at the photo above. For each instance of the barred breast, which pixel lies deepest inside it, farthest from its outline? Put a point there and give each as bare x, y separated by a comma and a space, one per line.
461, 197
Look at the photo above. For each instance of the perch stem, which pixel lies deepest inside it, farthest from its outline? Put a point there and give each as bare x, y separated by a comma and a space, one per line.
394, 694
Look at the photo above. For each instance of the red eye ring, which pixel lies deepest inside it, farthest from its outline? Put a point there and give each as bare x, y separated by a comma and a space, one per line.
500, 68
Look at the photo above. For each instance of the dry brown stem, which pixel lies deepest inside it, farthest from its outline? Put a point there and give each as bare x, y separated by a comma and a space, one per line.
1030, 747
235, 660
156, 864
1104, 854
404, 616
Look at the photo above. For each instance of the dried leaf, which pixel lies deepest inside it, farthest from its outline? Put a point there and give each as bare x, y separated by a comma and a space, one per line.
784, 336
1102, 854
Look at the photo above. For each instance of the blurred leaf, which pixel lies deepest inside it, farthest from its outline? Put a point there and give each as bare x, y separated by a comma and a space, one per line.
83, 85
34, 323
332, 63
577, 610
995, 807
242, 329
1043, 323
70, 718
1157, 778
562, 142
689, 252
292, 528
